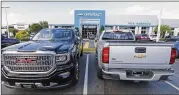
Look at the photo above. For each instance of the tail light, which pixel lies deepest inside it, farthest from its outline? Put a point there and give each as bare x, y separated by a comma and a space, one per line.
105, 55
173, 55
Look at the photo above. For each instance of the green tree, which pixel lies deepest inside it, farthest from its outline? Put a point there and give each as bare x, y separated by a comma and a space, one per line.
22, 35
163, 29
34, 28
28, 31
44, 24
13, 31
102, 28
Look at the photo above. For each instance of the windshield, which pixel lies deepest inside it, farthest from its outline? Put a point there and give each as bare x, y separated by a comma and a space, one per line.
118, 36
54, 34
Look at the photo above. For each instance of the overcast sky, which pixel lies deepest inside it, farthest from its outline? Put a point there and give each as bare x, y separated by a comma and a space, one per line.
62, 12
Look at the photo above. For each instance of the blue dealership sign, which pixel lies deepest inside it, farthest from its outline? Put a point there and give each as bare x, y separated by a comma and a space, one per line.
89, 15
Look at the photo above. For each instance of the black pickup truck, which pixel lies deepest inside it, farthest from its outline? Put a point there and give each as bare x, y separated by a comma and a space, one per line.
49, 60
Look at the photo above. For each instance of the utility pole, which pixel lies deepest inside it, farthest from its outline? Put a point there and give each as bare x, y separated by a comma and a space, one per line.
7, 21
159, 24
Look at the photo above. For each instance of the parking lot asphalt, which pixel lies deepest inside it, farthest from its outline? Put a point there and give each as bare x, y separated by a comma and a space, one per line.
90, 84
89, 44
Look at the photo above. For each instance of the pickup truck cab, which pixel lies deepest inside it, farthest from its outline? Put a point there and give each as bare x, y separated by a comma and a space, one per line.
49, 60
121, 56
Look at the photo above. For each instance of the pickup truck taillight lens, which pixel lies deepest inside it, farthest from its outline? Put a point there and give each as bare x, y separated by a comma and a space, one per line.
105, 55
173, 56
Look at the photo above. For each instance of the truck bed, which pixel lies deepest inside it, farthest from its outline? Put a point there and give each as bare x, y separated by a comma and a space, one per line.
137, 43
139, 53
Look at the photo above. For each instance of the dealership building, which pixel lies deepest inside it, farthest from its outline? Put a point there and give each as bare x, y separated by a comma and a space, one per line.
90, 22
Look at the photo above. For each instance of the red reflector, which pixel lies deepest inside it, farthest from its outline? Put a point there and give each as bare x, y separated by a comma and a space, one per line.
105, 55
173, 56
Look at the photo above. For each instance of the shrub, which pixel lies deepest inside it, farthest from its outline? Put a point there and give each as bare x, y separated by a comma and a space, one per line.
22, 36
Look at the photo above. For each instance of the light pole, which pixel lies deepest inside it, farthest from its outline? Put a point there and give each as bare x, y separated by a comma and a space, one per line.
159, 24
7, 21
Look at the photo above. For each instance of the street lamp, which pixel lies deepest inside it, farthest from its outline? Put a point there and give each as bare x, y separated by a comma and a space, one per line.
7, 21
159, 25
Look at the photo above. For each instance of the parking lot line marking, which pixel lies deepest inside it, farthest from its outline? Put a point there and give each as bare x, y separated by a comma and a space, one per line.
85, 87
172, 85
86, 45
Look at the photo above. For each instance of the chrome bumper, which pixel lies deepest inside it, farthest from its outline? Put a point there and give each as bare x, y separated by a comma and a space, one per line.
121, 73
36, 85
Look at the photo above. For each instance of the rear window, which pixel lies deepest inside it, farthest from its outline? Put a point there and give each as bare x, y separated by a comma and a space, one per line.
118, 36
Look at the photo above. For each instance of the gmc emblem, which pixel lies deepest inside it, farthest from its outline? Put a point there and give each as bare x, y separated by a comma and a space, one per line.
25, 60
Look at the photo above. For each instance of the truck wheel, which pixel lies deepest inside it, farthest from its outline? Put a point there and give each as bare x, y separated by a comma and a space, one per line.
164, 78
100, 74
75, 73
81, 54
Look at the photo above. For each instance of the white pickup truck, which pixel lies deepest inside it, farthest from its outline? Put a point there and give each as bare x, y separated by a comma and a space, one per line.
120, 56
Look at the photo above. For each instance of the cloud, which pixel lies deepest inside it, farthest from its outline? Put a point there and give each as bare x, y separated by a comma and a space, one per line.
14, 18
170, 14
131, 10
71, 12
64, 12
135, 9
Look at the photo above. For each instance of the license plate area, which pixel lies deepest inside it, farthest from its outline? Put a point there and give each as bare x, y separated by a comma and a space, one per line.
28, 85
138, 74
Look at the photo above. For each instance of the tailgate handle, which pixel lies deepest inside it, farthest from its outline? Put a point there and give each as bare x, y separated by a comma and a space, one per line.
140, 50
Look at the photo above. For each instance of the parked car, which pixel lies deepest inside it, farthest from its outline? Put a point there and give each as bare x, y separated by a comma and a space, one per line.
142, 37
49, 60
176, 46
153, 37
5, 41
121, 56
171, 38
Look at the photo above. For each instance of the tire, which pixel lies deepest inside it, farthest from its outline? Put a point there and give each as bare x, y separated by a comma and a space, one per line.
96, 55
100, 74
75, 73
165, 78
81, 54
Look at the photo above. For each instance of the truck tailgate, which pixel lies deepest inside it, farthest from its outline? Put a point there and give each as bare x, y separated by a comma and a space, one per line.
140, 54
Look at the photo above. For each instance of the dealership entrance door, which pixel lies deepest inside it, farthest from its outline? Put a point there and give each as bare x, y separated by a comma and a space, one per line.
89, 27
89, 30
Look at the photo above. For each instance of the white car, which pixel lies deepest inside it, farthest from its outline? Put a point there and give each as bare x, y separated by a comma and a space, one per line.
153, 37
